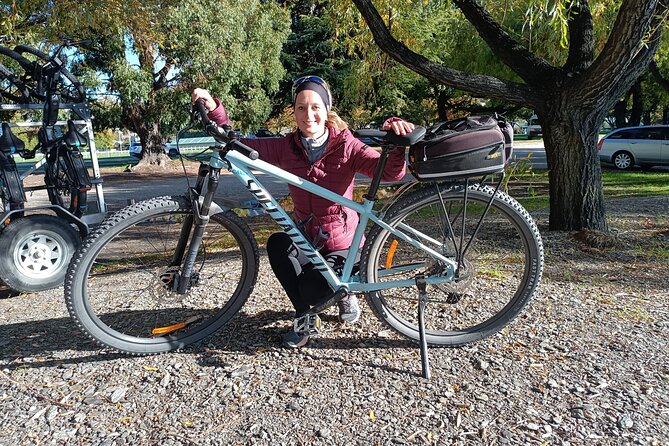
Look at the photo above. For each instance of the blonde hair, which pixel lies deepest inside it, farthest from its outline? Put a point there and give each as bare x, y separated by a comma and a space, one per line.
334, 121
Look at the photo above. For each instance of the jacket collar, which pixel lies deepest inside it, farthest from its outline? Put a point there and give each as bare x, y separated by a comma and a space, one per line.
334, 141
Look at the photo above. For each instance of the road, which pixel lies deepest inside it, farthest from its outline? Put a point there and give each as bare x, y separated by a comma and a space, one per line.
534, 149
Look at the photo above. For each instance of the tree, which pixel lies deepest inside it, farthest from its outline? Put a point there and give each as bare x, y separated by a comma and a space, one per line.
235, 55
229, 47
570, 96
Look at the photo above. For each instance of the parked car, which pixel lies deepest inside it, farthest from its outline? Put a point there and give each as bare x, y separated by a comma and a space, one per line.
644, 146
135, 150
262, 133
533, 127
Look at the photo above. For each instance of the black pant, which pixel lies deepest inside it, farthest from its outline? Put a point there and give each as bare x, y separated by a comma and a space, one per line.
303, 290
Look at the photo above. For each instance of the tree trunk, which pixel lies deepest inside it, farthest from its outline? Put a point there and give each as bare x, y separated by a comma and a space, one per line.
150, 137
442, 103
665, 114
570, 137
620, 113
637, 104
570, 101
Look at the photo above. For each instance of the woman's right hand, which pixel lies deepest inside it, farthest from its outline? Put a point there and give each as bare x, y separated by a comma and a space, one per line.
201, 93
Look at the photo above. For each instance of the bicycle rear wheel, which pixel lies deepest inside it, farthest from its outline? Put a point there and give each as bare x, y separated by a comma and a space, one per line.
119, 285
12, 89
67, 181
497, 274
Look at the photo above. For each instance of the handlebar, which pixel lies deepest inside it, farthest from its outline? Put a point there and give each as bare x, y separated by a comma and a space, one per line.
388, 137
223, 134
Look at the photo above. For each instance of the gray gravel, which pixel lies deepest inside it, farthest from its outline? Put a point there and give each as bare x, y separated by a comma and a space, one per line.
587, 363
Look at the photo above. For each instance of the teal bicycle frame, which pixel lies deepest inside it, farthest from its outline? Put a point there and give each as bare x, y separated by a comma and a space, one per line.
240, 166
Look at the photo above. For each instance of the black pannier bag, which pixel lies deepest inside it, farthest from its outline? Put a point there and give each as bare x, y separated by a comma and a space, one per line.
465, 147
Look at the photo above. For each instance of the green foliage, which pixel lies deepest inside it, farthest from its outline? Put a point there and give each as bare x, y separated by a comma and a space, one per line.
106, 139
517, 171
176, 45
376, 86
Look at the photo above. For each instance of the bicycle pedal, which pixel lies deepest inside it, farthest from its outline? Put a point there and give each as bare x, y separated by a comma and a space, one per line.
307, 325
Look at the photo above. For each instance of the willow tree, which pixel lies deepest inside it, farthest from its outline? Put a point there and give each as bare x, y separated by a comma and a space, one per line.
571, 94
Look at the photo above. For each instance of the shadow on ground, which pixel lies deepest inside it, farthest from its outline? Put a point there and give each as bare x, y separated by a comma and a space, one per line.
41, 343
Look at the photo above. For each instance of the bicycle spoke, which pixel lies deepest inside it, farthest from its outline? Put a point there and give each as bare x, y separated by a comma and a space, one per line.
494, 278
130, 300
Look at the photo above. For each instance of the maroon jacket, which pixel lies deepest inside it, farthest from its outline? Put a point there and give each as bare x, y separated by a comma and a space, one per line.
344, 156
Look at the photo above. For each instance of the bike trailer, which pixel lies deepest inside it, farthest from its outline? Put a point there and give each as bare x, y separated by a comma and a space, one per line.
465, 147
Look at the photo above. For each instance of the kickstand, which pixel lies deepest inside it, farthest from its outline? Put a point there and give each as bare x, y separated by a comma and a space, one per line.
422, 303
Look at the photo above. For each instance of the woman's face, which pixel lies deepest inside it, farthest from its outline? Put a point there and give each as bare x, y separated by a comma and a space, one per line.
310, 114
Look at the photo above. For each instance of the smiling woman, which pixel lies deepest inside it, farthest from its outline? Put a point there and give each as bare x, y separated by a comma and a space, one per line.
322, 150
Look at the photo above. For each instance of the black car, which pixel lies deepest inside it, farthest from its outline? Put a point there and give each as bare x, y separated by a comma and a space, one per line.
264, 133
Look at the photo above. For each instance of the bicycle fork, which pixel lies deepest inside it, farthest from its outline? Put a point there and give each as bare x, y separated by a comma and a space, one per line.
195, 223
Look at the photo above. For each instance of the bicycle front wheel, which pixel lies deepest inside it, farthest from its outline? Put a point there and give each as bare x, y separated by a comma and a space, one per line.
495, 244
120, 285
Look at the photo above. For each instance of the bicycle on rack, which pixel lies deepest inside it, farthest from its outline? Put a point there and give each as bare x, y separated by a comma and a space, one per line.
37, 72
41, 245
445, 263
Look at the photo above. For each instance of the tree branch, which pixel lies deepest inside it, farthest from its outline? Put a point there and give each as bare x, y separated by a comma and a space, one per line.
477, 84
639, 64
530, 67
625, 45
581, 38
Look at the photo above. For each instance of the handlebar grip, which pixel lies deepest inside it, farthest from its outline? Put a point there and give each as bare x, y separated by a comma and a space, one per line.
202, 110
244, 149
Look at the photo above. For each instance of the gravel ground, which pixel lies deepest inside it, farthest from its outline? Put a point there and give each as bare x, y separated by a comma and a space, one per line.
586, 363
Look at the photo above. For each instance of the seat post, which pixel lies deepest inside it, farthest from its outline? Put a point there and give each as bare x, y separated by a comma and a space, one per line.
378, 173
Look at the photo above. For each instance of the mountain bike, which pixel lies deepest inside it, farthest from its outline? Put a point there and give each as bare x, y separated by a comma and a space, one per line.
444, 263
27, 74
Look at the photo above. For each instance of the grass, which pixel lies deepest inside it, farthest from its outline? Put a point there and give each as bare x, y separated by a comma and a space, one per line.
531, 188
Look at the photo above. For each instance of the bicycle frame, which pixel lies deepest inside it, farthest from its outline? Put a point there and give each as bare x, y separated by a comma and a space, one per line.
240, 166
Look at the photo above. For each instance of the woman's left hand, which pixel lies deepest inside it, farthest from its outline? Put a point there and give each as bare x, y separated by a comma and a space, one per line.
399, 126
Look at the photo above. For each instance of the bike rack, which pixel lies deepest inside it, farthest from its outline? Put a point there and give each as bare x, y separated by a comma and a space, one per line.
84, 114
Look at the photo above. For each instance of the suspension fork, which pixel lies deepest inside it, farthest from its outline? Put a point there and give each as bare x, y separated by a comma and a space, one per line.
198, 220
194, 195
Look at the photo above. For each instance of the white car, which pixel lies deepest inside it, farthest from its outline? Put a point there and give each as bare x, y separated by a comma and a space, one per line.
643, 146
135, 150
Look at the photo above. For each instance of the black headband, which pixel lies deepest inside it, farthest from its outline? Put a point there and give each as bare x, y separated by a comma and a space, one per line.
318, 88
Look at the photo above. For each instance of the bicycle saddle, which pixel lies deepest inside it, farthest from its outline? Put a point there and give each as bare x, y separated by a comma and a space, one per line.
388, 137
73, 137
9, 143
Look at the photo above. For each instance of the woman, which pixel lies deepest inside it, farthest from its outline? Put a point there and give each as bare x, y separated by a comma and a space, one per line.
321, 150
